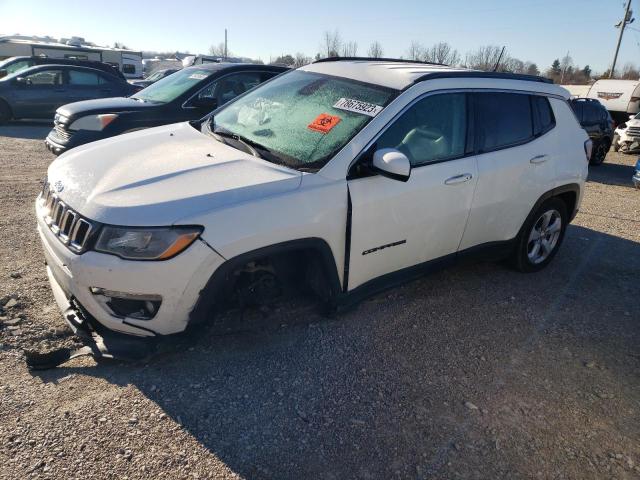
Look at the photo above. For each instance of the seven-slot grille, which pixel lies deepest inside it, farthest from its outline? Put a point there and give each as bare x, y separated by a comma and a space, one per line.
633, 131
70, 228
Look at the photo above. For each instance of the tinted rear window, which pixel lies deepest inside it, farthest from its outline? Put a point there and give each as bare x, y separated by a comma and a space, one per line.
543, 119
503, 119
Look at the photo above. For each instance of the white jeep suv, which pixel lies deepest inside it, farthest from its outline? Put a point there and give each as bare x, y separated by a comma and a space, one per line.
343, 177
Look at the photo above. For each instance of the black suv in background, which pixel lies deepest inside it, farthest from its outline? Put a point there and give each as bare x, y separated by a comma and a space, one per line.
188, 94
597, 122
17, 64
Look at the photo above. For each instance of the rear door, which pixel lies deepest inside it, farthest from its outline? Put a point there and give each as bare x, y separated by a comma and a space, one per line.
516, 147
87, 84
40, 94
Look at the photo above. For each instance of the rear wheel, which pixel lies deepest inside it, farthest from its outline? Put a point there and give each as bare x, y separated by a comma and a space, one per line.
5, 112
600, 152
541, 236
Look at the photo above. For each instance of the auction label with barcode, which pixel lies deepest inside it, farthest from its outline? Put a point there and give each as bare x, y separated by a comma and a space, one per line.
358, 107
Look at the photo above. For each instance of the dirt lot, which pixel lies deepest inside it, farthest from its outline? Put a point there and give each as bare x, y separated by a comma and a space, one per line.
474, 372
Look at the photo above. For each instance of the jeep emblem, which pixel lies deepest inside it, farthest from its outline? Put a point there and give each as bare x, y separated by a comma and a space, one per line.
59, 186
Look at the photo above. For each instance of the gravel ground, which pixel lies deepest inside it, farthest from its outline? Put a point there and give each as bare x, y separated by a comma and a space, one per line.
473, 372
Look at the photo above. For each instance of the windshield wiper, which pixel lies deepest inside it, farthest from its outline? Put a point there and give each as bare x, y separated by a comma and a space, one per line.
244, 141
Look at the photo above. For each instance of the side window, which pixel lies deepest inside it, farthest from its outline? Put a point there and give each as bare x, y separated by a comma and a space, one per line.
578, 109
543, 119
591, 114
45, 78
128, 68
433, 129
229, 87
21, 65
80, 77
503, 119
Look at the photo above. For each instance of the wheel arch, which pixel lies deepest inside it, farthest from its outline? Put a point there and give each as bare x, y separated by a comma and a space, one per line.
6, 104
569, 194
210, 294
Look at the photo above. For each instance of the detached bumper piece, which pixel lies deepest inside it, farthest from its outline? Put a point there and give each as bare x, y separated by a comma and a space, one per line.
99, 343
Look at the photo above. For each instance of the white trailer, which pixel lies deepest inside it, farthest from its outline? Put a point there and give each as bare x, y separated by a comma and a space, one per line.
129, 62
620, 97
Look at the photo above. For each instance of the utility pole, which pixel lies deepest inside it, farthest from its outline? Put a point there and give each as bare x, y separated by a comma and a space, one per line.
627, 19
225, 43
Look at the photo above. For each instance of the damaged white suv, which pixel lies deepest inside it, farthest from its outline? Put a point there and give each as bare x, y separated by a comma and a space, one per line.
342, 177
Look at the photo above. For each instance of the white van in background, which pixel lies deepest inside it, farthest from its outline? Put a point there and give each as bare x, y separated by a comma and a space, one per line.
129, 62
620, 97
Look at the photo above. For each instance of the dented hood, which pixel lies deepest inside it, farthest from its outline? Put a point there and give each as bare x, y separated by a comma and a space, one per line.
156, 176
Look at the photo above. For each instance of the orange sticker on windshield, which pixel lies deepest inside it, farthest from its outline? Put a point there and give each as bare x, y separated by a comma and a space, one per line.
324, 123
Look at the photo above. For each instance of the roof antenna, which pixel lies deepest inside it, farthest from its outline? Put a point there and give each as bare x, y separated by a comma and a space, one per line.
495, 69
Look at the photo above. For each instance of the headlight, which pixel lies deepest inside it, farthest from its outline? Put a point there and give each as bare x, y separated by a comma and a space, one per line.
153, 243
93, 122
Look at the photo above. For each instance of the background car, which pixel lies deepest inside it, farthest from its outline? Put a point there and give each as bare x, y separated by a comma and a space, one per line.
188, 94
17, 64
154, 77
38, 91
636, 175
597, 121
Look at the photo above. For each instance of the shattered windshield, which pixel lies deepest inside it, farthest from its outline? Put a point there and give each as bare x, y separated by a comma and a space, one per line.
301, 119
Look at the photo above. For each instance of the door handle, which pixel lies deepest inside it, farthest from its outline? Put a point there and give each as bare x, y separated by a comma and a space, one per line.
464, 177
60, 90
538, 159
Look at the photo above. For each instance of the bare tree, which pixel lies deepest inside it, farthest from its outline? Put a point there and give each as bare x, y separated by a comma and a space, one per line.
218, 50
300, 60
441, 52
566, 67
349, 49
375, 50
331, 43
485, 58
416, 51
120, 45
630, 72
513, 65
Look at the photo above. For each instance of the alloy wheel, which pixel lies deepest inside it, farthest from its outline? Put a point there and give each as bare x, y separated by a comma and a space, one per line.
544, 236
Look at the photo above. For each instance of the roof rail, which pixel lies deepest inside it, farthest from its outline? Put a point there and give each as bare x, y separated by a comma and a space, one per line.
372, 59
480, 74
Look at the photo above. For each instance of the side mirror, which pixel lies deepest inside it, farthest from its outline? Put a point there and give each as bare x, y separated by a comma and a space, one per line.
3, 72
22, 81
205, 103
392, 163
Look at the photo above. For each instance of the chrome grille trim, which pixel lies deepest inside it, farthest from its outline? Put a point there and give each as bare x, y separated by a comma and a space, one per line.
60, 128
69, 226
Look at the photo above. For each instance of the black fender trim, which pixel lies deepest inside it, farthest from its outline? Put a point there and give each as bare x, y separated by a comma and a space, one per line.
570, 187
209, 294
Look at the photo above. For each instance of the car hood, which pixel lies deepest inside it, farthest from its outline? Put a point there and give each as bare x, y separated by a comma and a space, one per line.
160, 175
103, 105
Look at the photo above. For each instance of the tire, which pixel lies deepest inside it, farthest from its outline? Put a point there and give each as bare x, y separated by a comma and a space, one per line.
599, 153
534, 250
5, 112
616, 142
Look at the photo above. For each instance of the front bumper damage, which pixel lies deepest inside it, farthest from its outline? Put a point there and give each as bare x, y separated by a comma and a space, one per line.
98, 341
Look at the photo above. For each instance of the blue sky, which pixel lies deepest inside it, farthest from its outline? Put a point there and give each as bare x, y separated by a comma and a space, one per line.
538, 31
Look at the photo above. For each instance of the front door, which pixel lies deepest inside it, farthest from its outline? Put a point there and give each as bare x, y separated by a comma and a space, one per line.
395, 224
38, 95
